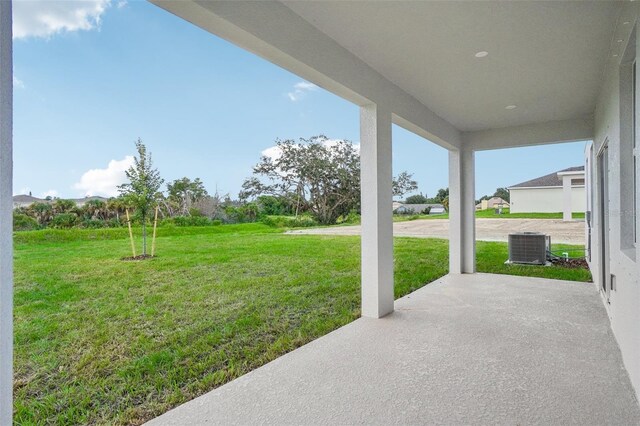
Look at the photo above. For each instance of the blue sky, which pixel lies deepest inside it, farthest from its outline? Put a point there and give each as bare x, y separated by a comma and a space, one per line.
92, 77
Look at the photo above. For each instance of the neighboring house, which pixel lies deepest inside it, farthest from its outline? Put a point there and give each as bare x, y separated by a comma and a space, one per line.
27, 200
546, 194
24, 201
82, 201
418, 208
492, 203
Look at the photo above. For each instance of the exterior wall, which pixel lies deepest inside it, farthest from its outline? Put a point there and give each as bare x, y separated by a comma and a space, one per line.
545, 200
623, 305
484, 205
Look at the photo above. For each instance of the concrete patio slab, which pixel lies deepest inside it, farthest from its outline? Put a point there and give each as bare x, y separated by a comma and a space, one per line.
486, 229
466, 349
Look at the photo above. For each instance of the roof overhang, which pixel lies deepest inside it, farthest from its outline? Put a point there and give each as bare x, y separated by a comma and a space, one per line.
417, 60
541, 187
571, 173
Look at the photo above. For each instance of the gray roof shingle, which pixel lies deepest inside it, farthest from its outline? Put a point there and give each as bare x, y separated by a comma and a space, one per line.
551, 179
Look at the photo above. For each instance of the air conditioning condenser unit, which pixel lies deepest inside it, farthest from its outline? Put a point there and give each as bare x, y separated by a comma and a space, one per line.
529, 248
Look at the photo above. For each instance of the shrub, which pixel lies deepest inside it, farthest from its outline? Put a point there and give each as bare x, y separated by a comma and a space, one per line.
22, 222
114, 223
303, 221
93, 223
191, 221
352, 217
195, 212
64, 220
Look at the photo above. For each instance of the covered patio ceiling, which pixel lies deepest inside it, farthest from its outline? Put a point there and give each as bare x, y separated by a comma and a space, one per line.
420, 59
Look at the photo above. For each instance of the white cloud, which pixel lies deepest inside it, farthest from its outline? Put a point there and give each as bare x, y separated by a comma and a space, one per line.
44, 18
121, 3
50, 193
17, 83
104, 181
274, 152
300, 90
23, 191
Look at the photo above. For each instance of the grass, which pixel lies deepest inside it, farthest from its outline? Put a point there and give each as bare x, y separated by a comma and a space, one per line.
102, 341
491, 214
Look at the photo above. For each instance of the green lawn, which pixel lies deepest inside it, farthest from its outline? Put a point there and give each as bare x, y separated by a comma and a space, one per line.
491, 214
102, 341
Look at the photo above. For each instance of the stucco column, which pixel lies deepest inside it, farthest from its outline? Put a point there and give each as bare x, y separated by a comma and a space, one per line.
462, 220
377, 216
6, 220
566, 198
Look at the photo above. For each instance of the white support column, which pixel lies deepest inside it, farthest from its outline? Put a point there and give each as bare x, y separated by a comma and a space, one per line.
566, 198
377, 216
462, 220
6, 220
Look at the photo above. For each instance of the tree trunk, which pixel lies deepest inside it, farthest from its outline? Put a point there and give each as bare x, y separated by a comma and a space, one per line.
144, 235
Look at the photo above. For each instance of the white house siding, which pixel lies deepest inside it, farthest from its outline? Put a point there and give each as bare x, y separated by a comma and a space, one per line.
545, 200
624, 303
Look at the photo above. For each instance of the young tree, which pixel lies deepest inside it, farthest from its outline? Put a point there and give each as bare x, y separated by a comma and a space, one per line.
140, 191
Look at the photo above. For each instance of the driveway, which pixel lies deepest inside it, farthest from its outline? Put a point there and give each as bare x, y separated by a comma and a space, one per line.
486, 229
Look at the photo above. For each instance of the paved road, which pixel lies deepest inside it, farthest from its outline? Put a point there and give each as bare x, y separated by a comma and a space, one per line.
486, 229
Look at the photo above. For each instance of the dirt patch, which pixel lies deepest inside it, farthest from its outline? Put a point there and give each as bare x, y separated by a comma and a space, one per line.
570, 263
138, 257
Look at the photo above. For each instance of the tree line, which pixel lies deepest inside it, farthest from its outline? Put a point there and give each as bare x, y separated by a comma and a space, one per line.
315, 180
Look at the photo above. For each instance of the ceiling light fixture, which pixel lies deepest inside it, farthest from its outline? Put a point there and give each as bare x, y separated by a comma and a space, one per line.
510, 107
481, 54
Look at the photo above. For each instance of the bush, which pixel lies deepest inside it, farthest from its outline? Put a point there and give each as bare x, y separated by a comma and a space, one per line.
352, 217
114, 223
93, 223
190, 221
195, 212
242, 214
64, 220
302, 221
22, 222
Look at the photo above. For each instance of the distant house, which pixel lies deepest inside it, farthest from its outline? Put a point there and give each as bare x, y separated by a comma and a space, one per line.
550, 193
24, 201
418, 208
82, 201
492, 203
27, 200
